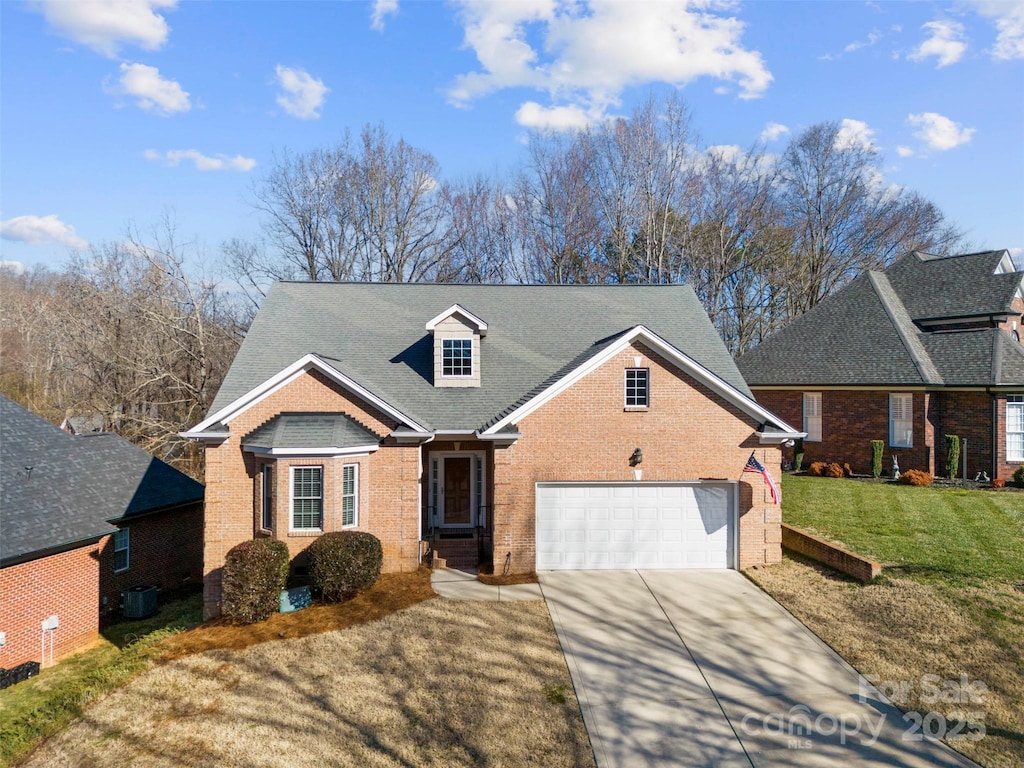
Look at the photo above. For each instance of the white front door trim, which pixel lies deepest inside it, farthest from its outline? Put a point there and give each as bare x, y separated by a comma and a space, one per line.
477, 486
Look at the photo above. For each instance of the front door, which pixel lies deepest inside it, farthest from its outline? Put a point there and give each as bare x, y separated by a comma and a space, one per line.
458, 498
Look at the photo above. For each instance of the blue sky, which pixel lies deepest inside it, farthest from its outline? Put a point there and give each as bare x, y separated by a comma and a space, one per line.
113, 113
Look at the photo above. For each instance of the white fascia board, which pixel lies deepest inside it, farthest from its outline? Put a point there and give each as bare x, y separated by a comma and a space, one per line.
326, 453
288, 375
776, 437
454, 309
677, 356
218, 436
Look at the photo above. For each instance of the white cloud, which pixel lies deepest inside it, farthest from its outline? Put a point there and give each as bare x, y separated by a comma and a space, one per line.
14, 267
938, 132
904, 151
106, 25
586, 54
1009, 21
41, 230
533, 115
773, 131
381, 10
855, 134
946, 43
150, 91
173, 157
302, 94
873, 37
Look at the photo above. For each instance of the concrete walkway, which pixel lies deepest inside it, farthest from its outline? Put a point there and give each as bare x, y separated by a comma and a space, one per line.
702, 668
462, 585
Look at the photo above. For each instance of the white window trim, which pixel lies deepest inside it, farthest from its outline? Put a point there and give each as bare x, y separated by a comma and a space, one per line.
127, 549
291, 499
647, 388
908, 398
267, 498
354, 494
457, 375
812, 397
1016, 402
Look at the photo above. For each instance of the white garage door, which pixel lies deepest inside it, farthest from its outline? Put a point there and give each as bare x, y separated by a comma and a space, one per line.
635, 525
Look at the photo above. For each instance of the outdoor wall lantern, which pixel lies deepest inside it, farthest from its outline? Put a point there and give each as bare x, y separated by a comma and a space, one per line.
636, 458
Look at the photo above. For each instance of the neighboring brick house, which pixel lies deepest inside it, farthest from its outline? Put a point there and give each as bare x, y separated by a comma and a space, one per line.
929, 347
541, 426
83, 518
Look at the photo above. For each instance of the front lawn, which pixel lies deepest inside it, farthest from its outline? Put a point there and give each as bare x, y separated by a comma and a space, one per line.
929, 531
442, 683
949, 602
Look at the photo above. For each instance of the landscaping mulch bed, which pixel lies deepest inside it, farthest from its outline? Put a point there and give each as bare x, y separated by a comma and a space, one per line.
393, 592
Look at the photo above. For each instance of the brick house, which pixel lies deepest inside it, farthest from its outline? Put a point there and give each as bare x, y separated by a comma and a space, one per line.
83, 518
539, 426
929, 347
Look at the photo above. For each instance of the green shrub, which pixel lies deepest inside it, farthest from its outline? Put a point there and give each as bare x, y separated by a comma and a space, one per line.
798, 455
1018, 476
952, 455
916, 477
877, 449
255, 572
343, 563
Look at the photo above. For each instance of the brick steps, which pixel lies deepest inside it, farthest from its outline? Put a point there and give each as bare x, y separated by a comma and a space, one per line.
456, 553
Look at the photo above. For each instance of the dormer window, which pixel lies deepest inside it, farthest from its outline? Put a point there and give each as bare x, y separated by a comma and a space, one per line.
456, 357
457, 333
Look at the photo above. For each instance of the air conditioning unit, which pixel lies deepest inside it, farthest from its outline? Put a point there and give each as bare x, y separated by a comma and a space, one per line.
138, 602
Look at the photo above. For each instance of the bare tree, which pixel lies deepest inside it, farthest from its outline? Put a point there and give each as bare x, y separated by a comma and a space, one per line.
843, 220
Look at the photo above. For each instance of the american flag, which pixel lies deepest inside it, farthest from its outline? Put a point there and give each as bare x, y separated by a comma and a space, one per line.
753, 465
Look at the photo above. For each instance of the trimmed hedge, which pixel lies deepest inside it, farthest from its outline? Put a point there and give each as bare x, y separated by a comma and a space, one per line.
255, 572
877, 449
834, 469
817, 468
1018, 476
952, 455
343, 563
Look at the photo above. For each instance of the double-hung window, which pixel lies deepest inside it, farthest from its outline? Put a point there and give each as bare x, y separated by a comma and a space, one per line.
266, 518
121, 547
901, 420
457, 357
812, 416
637, 388
307, 498
349, 494
1015, 428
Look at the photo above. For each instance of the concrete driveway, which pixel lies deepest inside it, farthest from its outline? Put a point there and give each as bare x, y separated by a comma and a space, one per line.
702, 668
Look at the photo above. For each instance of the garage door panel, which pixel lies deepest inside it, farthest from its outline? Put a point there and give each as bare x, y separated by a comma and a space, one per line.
634, 526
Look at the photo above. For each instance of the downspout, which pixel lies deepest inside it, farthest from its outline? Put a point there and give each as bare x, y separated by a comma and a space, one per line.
419, 497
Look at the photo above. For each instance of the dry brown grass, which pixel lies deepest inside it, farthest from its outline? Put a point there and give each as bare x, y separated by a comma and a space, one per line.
438, 684
393, 592
901, 630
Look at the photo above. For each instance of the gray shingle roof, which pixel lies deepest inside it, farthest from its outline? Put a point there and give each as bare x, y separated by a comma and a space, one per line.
866, 335
953, 286
310, 430
375, 334
76, 486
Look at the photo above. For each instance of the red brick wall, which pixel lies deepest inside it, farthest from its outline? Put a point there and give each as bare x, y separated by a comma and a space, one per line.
1014, 323
585, 434
389, 483
65, 584
165, 550
839, 559
850, 420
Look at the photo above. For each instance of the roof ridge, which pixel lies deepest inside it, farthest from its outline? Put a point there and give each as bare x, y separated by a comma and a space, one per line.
904, 326
925, 256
